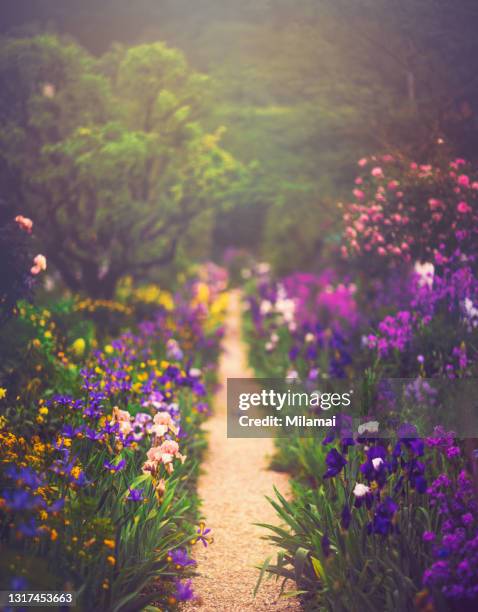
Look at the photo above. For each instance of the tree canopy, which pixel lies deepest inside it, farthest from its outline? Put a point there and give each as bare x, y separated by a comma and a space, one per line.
108, 155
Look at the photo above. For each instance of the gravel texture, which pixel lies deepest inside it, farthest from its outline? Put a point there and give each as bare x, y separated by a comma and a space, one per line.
233, 489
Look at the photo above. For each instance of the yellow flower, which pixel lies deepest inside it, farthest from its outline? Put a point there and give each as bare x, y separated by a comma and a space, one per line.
109, 543
109, 349
166, 300
53, 535
111, 560
202, 293
78, 347
76, 472
43, 410
3, 392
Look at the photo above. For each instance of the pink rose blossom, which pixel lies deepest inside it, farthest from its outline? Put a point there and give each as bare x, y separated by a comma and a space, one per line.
463, 208
464, 180
24, 223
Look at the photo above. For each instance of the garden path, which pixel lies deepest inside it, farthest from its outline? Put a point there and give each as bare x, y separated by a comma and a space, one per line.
233, 488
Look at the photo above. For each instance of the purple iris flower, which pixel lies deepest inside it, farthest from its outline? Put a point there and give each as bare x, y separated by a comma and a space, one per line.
56, 506
68, 431
368, 469
184, 590
135, 495
382, 520
179, 557
202, 533
345, 516
335, 462
416, 470
114, 467
91, 434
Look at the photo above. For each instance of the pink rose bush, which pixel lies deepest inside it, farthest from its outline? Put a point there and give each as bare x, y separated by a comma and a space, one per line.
407, 212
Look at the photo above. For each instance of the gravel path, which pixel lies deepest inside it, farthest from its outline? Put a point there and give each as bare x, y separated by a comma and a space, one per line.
232, 487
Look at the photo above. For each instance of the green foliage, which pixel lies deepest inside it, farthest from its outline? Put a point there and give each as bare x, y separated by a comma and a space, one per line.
107, 155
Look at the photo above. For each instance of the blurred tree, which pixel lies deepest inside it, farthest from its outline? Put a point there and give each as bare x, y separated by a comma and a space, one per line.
107, 155
305, 87
293, 105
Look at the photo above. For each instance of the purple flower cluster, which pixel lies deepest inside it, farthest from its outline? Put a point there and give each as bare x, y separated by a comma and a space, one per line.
399, 464
22, 497
454, 570
395, 333
297, 304
439, 295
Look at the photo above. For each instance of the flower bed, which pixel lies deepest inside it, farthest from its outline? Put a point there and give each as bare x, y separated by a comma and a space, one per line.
374, 523
99, 454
